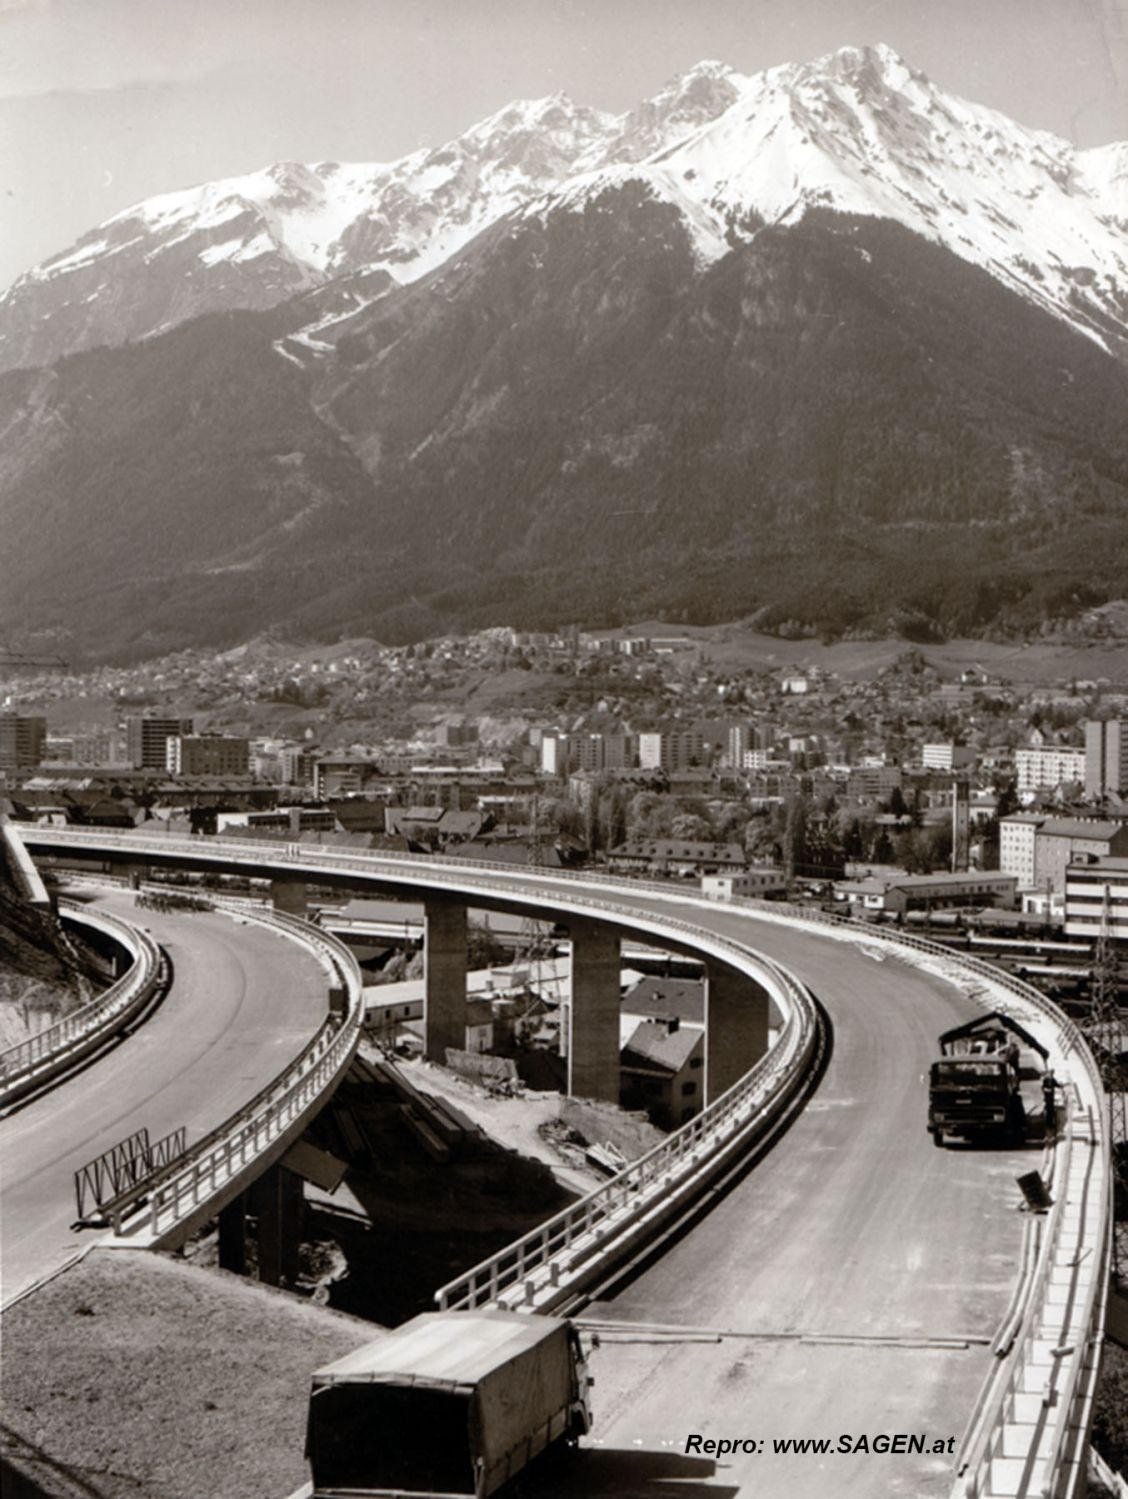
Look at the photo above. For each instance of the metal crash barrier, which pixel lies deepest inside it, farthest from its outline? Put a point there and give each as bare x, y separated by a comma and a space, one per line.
54, 1050
1029, 1431
209, 1171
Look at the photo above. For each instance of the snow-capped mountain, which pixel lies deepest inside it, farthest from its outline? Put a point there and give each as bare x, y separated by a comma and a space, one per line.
253, 241
857, 131
793, 357
860, 132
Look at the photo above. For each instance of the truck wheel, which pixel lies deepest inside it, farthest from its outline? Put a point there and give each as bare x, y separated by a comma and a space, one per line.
937, 1136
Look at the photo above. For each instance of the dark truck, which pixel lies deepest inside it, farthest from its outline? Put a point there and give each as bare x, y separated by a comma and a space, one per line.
974, 1088
450, 1404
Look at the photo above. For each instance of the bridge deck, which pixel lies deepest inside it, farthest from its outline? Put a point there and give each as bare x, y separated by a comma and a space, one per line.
854, 1225
244, 1002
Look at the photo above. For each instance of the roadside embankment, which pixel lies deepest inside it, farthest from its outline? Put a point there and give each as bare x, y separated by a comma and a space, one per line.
45, 972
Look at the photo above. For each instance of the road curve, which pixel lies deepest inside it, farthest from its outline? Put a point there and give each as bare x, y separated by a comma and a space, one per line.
854, 1226
243, 1003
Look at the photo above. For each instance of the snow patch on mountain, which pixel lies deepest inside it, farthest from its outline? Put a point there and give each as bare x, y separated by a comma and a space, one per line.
861, 132
858, 131
1104, 170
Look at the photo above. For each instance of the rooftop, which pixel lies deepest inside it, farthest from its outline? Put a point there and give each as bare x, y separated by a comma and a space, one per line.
1080, 827
454, 1347
876, 883
655, 1044
667, 999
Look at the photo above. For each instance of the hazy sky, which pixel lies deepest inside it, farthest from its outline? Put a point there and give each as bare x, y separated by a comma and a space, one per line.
103, 102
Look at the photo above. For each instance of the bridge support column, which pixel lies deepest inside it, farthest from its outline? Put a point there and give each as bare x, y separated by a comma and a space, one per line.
593, 1041
289, 897
736, 1027
444, 979
278, 1201
233, 1236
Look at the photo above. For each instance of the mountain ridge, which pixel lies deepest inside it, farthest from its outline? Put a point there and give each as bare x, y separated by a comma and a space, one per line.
700, 382
857, 129
803, 431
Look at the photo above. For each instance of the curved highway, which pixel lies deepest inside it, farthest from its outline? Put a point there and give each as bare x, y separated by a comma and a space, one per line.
243, 1003
854, 1228
847, 1287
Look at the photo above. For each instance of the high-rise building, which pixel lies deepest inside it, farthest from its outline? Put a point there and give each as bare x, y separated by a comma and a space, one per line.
1048, 766
670, 750
457, 735
208, 755
946, 756
1017, 838
561, 753
23, 740
1106, 756
556, 753
297, 762
147, 739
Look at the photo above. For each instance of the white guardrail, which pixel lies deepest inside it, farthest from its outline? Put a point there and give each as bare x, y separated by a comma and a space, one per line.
238, 1149
31, 1063
551, 1265
1029, 1432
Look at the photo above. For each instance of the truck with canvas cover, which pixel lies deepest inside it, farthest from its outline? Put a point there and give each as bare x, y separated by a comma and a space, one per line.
974, 1089
449, 1405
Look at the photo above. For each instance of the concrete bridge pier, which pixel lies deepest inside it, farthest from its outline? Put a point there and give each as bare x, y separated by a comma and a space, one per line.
444, 978
593, 1041
279, 1203
289, 897
276, 1200
737, 1011
233, 1235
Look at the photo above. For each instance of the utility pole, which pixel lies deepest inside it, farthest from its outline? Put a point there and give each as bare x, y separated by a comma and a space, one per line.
1104, 1030
531, 942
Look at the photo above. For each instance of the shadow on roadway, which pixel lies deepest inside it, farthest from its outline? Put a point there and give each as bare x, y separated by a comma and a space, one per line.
619, 1473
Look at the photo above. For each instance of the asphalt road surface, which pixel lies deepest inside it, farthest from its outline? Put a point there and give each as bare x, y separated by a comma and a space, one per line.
243, 1003
854, 1227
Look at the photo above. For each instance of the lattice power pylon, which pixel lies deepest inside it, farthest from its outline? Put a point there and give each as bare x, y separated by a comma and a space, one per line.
1107, 1035
533, 945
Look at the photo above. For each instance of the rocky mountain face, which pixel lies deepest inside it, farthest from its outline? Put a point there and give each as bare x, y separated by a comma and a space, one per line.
253, 241
858, 131
841, 349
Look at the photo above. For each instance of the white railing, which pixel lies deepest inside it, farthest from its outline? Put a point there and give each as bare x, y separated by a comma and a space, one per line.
158, 1206
547, 1265
1077, 1259
31, 1062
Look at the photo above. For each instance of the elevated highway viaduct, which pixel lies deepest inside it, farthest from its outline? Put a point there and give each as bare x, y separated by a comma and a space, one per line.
243, 1004
853, 1283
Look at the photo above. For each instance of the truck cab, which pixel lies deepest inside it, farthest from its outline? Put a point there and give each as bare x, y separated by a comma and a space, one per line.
974, 1087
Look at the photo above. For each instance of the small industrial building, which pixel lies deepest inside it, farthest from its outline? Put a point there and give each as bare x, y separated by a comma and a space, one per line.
758, 884
677, 856
894, 894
